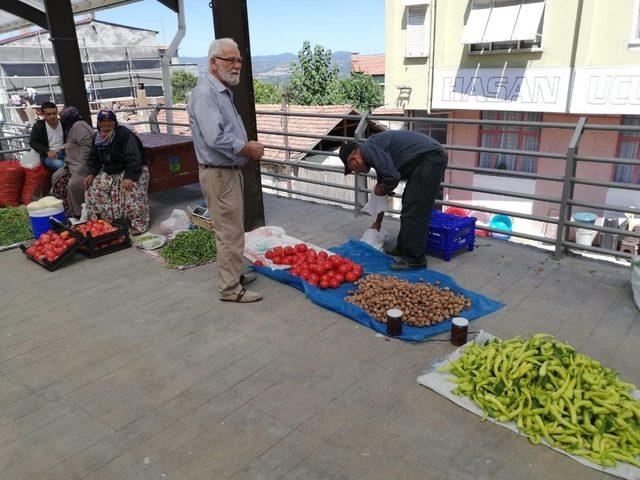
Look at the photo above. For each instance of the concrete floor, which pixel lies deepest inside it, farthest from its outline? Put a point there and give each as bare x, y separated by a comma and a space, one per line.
117, 368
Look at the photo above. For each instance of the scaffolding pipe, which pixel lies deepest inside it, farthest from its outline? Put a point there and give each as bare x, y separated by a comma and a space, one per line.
166, 64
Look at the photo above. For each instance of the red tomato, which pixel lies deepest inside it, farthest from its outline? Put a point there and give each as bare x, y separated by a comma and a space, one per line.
258, 263
295, 271
358, 273
323, 255
325, 277
278, 250
330, 274
350, 277
335, 259
344, 268
310, 254
268, 254
324, 284
288, 250
277, 260
313, 282
338, 277
334, 283
45, 237
314, 277
301, 247
306, 274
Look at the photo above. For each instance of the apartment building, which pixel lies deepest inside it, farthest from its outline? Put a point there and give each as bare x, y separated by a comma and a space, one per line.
536, 60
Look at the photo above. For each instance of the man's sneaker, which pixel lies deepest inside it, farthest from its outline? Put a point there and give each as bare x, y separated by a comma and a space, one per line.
403, 265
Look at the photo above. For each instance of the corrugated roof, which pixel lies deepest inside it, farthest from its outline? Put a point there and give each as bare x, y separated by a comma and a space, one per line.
309, 125
369, 64
84, 21
9, 22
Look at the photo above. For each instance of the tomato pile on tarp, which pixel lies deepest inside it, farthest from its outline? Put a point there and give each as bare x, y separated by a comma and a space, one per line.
319, 269
50, 246
373, 261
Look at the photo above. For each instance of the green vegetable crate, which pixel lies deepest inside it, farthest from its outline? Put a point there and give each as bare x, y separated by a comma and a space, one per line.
97, 246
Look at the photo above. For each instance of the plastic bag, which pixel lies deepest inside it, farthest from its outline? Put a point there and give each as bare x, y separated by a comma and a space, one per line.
179, 220
31, 159
375, 238
37, 183
376, 204
635, 280
11, 180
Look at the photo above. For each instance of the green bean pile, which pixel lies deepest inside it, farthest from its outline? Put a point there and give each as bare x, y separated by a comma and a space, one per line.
553, 392
189, 248
14, 226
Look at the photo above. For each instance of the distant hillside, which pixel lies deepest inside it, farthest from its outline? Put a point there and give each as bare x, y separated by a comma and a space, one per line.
276, 68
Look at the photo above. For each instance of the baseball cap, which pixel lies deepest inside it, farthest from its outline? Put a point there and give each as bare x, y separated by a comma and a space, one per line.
345, 151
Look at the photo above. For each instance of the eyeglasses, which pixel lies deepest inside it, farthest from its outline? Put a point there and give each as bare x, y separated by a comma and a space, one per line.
232, 60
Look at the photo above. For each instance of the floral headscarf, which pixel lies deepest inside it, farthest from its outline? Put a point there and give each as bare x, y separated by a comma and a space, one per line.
102, 139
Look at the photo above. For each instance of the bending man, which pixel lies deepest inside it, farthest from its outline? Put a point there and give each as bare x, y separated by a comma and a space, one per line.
403, 155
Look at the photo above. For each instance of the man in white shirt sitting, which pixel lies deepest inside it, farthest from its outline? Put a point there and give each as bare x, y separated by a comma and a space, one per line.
47, 137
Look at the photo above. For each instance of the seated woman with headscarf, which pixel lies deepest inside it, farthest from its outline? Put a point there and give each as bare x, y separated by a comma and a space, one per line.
118, 177
67, 182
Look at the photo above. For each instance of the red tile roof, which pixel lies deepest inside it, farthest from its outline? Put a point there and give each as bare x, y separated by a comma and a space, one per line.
369, 64
308, 125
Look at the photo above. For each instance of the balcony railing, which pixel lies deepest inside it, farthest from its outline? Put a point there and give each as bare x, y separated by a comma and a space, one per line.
358, 187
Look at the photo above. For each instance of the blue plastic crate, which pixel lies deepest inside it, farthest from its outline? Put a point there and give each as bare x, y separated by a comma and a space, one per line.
450, 233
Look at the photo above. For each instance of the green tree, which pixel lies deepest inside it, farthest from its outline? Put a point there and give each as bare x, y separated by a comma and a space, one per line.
361, 91
313, 77
265, 92
182, 82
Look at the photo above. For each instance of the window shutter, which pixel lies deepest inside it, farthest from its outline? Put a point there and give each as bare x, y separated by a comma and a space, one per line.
417, 38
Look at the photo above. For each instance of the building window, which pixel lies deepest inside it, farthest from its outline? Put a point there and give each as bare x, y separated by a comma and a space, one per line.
629, 148
436, 130
504, 26
511, 138
635, 25
417, 28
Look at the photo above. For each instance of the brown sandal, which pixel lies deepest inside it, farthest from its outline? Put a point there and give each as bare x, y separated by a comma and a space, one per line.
244, 296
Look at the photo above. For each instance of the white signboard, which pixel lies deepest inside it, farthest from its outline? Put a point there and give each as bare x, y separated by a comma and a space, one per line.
610, 90
511, 89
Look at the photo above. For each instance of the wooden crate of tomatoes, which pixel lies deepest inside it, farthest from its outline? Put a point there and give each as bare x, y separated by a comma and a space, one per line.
319, 269
103, 237
53, 247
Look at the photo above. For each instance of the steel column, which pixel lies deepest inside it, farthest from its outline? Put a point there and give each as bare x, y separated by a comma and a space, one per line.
62, 30
567, 188
230, 19
360, 196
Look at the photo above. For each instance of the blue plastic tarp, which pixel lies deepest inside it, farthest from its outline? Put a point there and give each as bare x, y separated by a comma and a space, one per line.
374, 261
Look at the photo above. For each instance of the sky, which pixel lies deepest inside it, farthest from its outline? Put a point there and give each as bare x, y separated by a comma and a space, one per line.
275, 26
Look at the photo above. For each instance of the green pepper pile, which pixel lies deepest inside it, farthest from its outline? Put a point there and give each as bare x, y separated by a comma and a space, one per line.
553, 392
14, 226
189, 248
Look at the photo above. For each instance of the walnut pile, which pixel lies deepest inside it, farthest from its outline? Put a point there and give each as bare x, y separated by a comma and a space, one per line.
422, 304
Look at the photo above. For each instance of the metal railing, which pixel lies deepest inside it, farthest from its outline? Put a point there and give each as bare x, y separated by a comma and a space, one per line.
358, 189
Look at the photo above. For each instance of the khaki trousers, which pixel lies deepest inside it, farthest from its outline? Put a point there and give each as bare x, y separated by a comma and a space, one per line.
222, 189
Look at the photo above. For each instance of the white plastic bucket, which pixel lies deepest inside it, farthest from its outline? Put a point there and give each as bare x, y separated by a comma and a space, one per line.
585, 236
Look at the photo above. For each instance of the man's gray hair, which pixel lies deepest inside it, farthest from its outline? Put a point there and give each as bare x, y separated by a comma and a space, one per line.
218, 45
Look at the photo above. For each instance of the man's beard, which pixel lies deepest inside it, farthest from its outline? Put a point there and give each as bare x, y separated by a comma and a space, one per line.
229, 78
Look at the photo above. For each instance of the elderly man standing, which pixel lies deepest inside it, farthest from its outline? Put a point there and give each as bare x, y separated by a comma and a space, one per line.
222, 148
